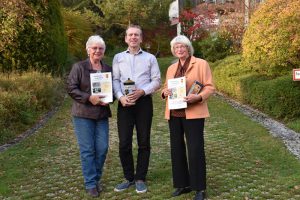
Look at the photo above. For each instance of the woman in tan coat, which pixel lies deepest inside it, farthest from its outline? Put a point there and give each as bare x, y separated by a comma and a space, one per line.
189, 172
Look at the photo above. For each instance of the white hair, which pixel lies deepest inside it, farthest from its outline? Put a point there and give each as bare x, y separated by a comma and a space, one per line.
94, 39
181, 39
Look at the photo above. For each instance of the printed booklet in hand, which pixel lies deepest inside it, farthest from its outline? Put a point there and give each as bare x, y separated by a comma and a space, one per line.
101, 84
196, 88
178, 88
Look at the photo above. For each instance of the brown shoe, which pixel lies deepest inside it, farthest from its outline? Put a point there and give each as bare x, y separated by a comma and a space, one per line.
92, 192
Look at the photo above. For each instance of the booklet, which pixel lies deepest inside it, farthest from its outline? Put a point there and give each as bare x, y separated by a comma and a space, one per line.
178, 88
101, 84
196, 88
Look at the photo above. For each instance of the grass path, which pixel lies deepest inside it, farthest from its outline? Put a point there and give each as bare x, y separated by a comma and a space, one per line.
243, 161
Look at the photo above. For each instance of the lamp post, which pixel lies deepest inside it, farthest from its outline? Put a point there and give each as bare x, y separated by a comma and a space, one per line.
174, 14
180, 7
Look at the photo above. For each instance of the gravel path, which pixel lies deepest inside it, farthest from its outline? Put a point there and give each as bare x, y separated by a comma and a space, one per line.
290, 138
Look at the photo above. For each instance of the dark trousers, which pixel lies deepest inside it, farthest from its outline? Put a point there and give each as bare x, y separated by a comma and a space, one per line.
188, 169
140, 117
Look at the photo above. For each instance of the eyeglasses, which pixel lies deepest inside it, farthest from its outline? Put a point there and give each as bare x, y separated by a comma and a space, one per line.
95, 48
180, 47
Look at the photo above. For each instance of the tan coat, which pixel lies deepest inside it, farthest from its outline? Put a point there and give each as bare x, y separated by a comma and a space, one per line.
197, 70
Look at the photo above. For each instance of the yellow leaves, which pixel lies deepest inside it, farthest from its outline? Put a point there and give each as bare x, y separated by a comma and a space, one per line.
78, 28
13, 13
273, 32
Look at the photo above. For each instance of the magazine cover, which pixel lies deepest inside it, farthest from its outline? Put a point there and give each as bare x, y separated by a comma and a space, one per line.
196, 88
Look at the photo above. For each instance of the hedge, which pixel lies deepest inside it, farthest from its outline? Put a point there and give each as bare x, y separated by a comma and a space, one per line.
278, 97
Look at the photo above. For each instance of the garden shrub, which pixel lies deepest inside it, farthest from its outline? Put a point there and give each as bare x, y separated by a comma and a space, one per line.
32, 36
24, 98
232, 26
213, 48
271, 43
45, 89
227, 74
278, 97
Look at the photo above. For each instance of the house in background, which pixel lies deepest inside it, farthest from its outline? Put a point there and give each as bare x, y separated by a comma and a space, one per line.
224, 9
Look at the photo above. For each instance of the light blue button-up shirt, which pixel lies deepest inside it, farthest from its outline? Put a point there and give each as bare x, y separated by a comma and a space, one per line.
142, 68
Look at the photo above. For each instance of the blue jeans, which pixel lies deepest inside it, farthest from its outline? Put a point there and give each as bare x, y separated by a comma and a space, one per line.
92, 137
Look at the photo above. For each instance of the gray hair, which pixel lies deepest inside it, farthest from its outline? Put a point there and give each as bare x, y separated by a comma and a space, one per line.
94, 39
181, 39
134, 26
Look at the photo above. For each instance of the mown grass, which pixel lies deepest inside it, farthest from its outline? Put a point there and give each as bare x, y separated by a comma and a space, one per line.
243, 161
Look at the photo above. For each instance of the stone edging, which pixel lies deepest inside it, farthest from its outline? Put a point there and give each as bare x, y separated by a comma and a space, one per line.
290, 138
30, 131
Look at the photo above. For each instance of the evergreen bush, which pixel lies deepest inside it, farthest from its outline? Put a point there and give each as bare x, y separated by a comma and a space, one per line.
37, 39
278, 97
271, 43
227, 74
213, 48
78, 29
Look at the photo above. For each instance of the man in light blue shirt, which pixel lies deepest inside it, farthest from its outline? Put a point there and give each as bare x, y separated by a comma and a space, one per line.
135, 109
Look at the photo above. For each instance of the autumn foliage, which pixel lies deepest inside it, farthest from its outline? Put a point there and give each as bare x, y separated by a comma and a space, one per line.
232, 27
195, 25
271, 44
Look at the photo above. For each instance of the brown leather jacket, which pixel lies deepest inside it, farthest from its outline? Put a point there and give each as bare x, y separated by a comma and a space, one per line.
79, 88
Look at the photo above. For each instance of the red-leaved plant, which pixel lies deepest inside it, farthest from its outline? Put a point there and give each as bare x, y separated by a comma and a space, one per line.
194, 25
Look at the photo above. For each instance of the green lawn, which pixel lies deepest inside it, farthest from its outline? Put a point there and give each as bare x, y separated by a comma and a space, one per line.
243, 161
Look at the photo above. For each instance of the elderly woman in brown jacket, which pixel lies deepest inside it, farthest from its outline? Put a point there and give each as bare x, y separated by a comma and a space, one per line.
90, 115
189, 170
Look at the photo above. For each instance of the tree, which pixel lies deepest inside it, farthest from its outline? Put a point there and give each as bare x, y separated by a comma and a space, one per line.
195, 25
112, 17
83, 5
78, 28
124, 12
152, 15
32, 36
12, 12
